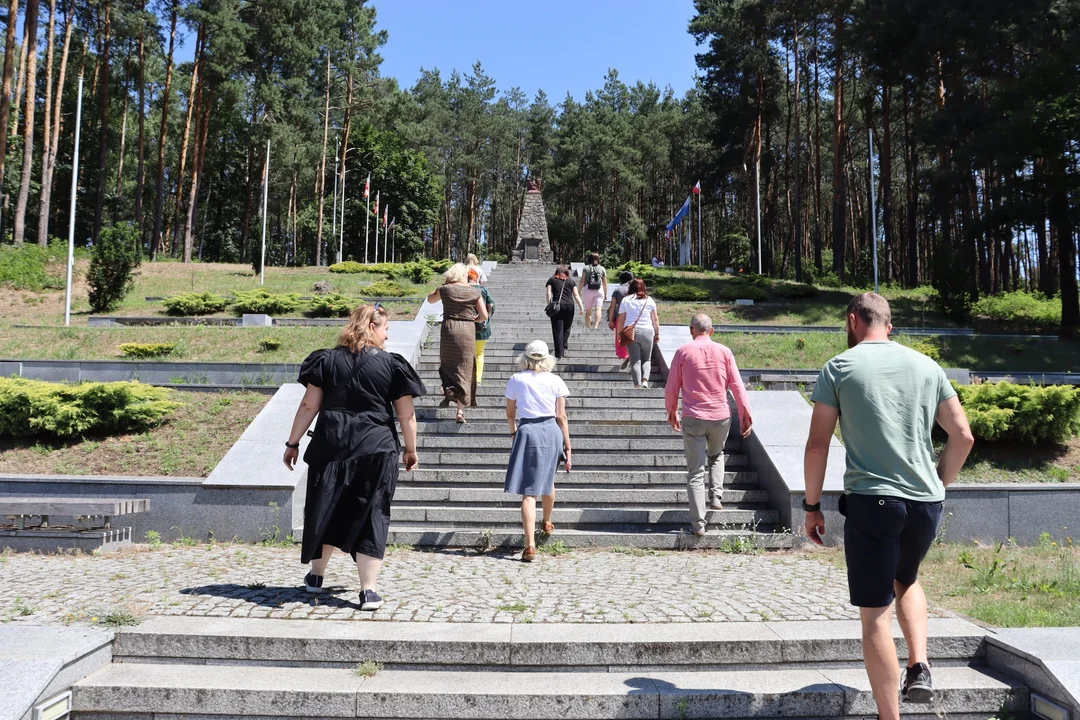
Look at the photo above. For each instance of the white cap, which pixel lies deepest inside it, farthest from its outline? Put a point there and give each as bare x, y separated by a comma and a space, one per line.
536, 350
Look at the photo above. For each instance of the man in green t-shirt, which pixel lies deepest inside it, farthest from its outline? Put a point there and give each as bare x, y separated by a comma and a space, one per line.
887, 399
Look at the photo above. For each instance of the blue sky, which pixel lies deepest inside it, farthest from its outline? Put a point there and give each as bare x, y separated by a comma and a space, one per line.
557, 45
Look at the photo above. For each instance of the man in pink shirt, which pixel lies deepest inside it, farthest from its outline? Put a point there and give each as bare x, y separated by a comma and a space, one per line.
703, 371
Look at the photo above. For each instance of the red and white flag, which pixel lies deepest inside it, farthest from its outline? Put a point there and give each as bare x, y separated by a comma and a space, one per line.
367, 188
386, 215
697, 188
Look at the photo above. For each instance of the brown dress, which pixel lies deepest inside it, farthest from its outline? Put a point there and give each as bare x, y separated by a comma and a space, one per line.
457, 341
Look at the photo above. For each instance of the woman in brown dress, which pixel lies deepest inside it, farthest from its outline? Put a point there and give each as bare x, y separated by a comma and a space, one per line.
463, 307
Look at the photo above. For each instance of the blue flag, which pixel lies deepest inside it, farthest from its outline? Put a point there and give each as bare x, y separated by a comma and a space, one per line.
679, 216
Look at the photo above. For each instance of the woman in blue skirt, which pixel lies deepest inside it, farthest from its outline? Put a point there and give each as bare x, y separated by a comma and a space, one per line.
536, 411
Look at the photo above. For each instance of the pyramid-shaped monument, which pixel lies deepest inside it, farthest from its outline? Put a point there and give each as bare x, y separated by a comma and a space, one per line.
533, 245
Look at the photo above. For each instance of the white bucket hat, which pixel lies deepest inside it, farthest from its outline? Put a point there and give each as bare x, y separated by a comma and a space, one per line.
536, 350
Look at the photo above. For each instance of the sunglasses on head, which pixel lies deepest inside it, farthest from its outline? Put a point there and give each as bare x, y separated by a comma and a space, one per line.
378, 305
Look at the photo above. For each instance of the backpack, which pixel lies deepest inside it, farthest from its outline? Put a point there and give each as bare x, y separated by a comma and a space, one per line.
595, 278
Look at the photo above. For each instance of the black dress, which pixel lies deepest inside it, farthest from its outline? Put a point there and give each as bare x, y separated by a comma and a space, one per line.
353, 455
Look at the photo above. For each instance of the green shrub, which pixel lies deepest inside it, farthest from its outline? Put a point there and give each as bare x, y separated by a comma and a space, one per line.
681, 291
334, 305
419, 272
269, 345
264, 302
32, 267
928, 349
349, 267
792, 291
742, 289
190, 304
34, 407
383, 288
146, 350
1022, 413
1021, 307
115, 254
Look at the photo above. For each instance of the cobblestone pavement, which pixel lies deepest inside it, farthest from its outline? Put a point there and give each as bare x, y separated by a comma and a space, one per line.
581, 586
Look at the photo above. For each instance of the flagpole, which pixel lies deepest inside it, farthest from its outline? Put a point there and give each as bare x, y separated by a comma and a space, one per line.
266, 192
333, 231
873, 205
386, 231
71, 215
378, 195
700, 229
367, 216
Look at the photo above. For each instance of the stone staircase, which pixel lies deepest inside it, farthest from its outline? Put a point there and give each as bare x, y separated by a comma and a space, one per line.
203, 668
628, 485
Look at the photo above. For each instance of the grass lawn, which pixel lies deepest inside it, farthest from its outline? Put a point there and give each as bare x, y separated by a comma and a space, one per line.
169, 278
1004, 585
1006, 463
190, 444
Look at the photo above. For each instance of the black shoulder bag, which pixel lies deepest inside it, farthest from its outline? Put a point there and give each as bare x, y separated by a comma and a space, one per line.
552, 308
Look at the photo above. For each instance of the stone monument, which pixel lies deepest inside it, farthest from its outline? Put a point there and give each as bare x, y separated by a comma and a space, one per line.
533, 245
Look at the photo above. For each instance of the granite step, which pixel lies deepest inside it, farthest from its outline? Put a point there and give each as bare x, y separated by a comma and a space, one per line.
583, 460
427, 411
600, 479
431, 377
585, 429
570, 497
605, 647
500, 441
619, 405
196, 692
568, 517
601, 390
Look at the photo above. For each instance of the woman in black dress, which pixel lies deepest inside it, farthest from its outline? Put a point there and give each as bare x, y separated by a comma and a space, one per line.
355, 389
562, 296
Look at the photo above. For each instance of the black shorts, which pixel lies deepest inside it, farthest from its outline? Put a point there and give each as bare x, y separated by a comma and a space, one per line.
885, 540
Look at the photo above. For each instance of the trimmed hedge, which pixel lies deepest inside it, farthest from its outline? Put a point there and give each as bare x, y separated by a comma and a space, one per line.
1022, 413
349, 267
334, 305
418, 272
681, 291
146, 350
191, 304
383, 288
35, 407
265, 302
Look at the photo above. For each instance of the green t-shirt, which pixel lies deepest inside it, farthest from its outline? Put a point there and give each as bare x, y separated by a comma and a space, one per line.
888, 396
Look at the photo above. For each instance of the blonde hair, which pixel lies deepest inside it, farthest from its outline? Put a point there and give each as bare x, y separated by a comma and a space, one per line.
358, 334
546, 364
471, 260
458, 273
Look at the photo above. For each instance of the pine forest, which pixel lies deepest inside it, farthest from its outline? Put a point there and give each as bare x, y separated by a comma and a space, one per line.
973, 110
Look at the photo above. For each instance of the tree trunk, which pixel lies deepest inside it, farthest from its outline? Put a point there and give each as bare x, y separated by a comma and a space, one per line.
346, 129
886, 180
839, 204
5, 99
1061, 219
203, 128
320, 180
103, 95
28, 123
911, 170
817, 153
159, 200
195, 72
42, 236
120, 161
20, 83
140, 172
52, 141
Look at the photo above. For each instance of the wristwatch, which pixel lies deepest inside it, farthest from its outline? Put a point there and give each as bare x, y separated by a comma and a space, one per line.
816, 507
292, 446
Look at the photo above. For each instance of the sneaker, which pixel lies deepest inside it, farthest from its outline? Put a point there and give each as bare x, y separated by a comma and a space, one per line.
370, 600
313, 583
716, 504
698, 532
918, 687
645, 385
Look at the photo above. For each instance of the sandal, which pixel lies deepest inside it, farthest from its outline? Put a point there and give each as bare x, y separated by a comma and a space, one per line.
529, 554
549, 528
461, 418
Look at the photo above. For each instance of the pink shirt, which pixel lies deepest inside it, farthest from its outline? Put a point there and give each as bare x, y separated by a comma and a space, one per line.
704, 370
